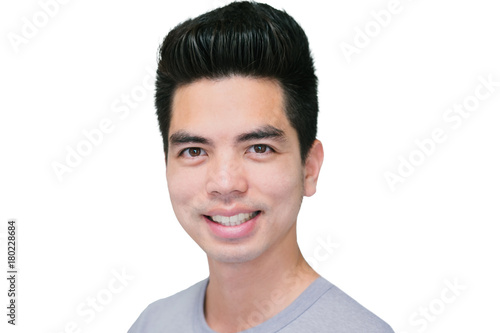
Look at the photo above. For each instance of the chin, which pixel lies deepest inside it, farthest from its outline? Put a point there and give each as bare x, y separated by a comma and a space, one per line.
234, 254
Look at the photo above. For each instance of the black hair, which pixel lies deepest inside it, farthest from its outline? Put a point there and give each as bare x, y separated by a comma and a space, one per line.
249, 39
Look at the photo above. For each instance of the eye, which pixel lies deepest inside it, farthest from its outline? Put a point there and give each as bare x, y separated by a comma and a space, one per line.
192, 152
260, 149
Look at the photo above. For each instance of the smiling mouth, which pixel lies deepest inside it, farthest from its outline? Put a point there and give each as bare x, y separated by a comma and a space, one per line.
230, 221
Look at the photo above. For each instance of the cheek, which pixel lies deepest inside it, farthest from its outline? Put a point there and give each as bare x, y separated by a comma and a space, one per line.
182, 187
283, 183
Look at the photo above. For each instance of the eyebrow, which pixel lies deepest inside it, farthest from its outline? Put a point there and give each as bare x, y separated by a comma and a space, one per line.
264, 132
182, 137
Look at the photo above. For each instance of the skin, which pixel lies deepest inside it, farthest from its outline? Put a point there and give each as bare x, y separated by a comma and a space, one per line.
232, 150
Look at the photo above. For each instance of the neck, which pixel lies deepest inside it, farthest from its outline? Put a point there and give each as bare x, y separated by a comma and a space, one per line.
243, 295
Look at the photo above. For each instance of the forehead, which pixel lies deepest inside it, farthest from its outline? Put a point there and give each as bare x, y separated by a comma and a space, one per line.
228, 106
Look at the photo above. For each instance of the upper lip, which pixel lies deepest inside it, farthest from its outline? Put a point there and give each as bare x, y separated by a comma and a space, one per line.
230, 212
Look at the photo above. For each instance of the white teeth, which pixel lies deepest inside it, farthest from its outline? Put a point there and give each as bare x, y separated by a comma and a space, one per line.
233, 220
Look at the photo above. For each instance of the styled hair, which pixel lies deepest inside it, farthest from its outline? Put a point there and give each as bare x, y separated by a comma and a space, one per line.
248, 39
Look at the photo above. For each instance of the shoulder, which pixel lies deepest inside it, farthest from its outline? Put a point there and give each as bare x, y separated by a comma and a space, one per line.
335, 309
176, 310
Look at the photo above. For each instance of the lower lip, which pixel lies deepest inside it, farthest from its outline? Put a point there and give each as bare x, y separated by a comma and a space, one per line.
233, 232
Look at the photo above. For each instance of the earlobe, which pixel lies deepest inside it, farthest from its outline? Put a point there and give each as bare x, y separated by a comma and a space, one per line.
312, 167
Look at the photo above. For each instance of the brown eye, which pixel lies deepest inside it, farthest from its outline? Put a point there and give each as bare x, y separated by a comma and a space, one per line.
194, 152
259, 149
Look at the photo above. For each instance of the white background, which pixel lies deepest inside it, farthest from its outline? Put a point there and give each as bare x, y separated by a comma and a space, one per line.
394, 250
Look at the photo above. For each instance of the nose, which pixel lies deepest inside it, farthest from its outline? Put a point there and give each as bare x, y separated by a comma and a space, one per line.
226, 176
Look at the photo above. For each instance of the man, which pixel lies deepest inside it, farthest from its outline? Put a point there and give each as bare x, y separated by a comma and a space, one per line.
237, 107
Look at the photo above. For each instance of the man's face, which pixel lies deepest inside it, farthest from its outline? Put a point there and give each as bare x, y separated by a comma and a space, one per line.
234, 171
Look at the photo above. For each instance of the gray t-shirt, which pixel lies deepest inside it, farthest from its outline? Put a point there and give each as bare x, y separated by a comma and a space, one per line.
322, 307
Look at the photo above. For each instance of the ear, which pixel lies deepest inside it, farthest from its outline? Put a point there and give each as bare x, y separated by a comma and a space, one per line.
312, 166
166, 165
